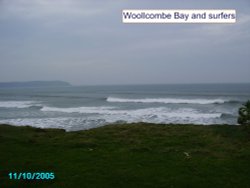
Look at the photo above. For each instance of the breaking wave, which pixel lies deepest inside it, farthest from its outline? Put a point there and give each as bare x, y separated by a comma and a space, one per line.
158, 111
107, 115
87, 110
17, 104
168, 100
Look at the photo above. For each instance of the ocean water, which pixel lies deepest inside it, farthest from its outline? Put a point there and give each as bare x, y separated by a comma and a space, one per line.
84, 107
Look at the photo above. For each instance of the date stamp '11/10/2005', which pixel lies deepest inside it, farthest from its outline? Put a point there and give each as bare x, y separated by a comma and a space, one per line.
31, 175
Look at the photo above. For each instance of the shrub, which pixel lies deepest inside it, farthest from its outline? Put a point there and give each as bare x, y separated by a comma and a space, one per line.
244, 114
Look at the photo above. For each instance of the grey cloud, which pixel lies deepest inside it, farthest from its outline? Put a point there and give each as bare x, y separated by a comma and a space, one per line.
85, 42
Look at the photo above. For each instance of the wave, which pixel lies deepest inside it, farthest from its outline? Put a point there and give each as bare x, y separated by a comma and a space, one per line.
17, 104
167, 100
87, 110
67, 123
106, 115
142, 113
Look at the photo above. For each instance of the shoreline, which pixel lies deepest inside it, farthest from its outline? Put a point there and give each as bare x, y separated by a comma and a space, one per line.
119, 124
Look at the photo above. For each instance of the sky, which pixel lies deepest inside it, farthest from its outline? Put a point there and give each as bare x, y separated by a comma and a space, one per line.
86, 43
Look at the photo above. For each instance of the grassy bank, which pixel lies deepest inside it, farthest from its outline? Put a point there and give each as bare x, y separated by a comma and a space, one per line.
133, 155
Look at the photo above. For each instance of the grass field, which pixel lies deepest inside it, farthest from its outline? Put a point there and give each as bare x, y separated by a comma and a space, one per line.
129, 155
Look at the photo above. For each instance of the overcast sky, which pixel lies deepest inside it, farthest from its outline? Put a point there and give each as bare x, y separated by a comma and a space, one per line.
85, 42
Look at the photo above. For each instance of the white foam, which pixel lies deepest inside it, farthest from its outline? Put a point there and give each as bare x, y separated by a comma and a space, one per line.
167, 113
40, 122
17, 104
158, 111
153, 115
67, 123
166, 100
87, 110
105, 114
149, 115
162, 115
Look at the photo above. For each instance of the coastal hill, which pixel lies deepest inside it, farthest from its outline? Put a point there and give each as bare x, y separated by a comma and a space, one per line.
34, 84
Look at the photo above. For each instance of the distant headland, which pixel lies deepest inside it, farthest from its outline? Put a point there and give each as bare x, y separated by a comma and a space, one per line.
34, 84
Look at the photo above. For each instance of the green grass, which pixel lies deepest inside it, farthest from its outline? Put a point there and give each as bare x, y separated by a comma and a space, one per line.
130, 155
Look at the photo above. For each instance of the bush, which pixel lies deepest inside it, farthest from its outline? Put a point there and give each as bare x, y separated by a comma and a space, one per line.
244, 114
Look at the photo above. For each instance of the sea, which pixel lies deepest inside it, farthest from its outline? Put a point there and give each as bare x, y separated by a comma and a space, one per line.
84, 107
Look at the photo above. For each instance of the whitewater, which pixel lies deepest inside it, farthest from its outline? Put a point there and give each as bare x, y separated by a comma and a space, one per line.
84, 107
